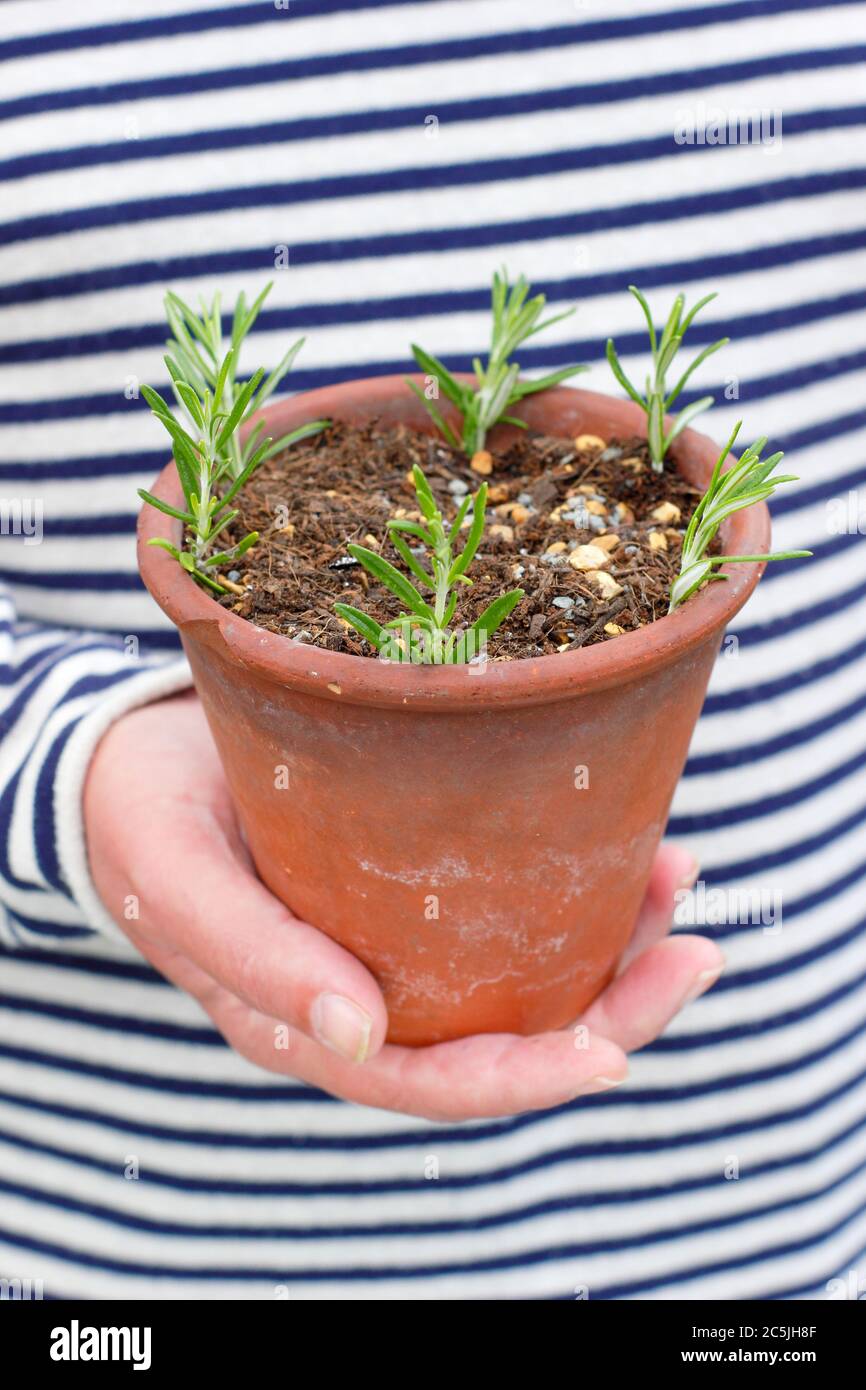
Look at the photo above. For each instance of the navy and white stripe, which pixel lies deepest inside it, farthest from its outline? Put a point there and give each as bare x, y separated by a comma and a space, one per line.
181, 147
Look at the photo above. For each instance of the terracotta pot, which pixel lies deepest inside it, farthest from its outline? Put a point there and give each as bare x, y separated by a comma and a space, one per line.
436, 821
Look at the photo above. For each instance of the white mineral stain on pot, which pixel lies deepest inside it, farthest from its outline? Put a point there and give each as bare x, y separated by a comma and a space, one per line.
442, 874
408, 986
520, 942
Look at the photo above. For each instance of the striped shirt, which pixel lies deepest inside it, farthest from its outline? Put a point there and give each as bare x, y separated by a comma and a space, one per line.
394, 154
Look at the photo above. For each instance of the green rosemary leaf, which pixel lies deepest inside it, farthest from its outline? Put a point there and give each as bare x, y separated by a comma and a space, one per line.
548, 323
243, 321
246, 472
696, 309
435, 414
685, 418
620, 375
701, 357
295, 436
410, 528
412, 620
784, 478
183, 346
633, 289
720, 510
467, 555
246, 544
251, 442
186, 459
543, 383
208, 582
225, 373
671, 328
180, 436
222, 522
457, 523
426, 500
667, 353
238, 317
187, 562
496, 612
363, 624
159, 407
411, 560
188, 398
237, 411
761, 559
431, 366
271, 382
766, 468
161, 506
186, 317
188, 464
399, 585
163, 544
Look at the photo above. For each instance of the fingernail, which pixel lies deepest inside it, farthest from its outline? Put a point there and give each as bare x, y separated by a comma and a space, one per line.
701, 983
601, 1083
690, 875
342, 1025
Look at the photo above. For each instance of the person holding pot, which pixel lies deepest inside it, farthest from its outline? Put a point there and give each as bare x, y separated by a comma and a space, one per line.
195, 1091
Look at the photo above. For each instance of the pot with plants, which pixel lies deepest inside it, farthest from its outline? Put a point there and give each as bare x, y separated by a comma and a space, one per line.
452, 635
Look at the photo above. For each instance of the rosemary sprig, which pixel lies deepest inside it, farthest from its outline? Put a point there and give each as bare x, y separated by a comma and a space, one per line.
421, 633
197, 347
201, 463
497, 386
747, 481
212, 462
664, 348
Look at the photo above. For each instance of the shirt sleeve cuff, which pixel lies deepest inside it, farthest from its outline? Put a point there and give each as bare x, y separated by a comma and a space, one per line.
140, 689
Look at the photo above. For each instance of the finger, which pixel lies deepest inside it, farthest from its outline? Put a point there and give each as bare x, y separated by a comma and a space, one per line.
673, 870
480, 1077
485, 1076
199, 897
641, 1002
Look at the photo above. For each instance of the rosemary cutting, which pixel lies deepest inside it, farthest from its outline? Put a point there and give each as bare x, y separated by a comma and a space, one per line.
421, 633
213, 463
664, 348
748, 480
497, 387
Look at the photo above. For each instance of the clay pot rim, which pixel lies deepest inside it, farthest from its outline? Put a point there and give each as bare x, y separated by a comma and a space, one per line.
527, 680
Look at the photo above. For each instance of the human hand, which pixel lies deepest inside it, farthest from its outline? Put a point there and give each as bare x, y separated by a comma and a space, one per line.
161, 826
